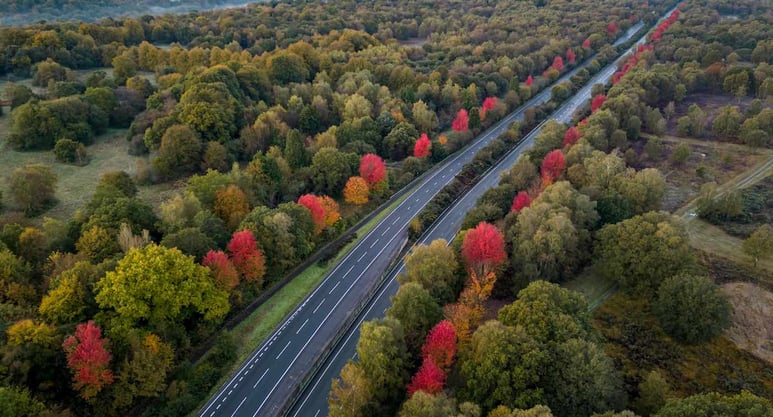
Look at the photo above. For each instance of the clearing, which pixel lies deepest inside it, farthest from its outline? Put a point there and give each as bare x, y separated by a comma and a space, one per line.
752, 327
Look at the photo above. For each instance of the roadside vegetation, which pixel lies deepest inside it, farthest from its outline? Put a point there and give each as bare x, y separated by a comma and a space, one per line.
573, 288
251, 138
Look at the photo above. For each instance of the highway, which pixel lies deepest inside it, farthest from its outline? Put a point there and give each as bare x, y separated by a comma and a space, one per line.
313, 401
265, 381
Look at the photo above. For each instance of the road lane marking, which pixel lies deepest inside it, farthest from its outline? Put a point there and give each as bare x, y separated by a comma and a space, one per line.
373, 244
260, 379
382, 235
283, 350
281, 377
363, 255
334, 287
350, 270
317, 413
396, 220
299, 329
320, 305
240, 406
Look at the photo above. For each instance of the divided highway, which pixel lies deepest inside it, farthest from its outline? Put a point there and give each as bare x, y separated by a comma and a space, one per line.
313, 401
273, 371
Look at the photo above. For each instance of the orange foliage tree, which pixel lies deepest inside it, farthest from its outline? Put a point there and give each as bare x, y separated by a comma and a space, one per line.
231, 205
356, 191
330, 207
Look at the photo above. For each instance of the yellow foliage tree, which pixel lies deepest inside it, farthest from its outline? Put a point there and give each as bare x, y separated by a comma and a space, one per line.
356, 191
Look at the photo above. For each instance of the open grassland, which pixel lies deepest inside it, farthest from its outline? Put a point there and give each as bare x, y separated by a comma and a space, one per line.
76, 184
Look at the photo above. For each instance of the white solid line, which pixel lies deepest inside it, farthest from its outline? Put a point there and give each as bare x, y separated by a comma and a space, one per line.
320, 305
334, 287
299, 329
260, 379
283, 350
240, 406
268, 395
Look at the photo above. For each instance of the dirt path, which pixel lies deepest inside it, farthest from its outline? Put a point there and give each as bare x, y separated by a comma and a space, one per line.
713, 240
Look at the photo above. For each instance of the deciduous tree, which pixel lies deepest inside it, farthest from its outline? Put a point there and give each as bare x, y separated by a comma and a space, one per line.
231, 205
460, 123
331, 208
247, 257
88, 359
692, 308
440, 345
483, 249
434, 267
372, 169
223, 270
421, 148
552, 166
356, 191
311, 202
33, 187
760, 244
429, 378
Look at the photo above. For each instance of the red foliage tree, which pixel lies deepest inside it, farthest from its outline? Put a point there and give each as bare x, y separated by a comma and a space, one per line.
612, 28
372, 168
571, 136
483, 248
422, 146
88, 359
570, 56
311, 202
552, 166
489, 103
597, 101
558, 63
429, 378
616, 78
521, 201
246, 256
586, 43
460, 123
440, 345
223, 270
529, 80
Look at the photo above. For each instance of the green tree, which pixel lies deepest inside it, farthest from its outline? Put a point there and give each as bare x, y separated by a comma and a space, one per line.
159, 286
18, 94
143, 373
760, 244
210, 110
728, 122
692, 308
422, 404
417, 311
744, 404
582, 380
33, 187
424, 118
70, 151
70, 298
330, 170
549, 313
503, 367
433, 266
639, 253
681, 154
399, 142
286, 67
180, 152
384, 359
653, 392
351, 393
17, 402
295, 150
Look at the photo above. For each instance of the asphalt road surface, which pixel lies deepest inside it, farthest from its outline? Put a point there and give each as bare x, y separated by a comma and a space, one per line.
313, 401
273, 371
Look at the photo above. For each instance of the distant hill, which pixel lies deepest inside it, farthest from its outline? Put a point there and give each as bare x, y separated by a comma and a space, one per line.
21, 12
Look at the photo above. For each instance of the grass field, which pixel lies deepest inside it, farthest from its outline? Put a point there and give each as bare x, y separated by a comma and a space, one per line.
592, 285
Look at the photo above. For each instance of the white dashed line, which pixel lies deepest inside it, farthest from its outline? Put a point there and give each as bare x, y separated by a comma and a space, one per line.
260, 379
320, 305
334, 287
283, 350
299, 329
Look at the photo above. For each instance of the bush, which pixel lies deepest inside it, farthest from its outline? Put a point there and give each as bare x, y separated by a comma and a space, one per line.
32, 188
691, 308
70, 152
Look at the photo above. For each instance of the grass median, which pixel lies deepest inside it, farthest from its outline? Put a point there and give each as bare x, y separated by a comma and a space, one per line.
253, 330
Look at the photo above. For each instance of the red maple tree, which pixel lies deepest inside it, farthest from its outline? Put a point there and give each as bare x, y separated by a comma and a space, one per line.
570, 56
597, 101
586, 43
223, 270
483, 248
372, 168
460, 123
558, 63
571, 136
422, 146
311, 202
429, 378
440, 345
612, 28
88, 359
552, 166
529, 80
521, 201
246, 256
489, 103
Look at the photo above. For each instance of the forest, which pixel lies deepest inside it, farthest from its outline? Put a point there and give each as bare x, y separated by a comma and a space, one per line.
256, 136
575, 287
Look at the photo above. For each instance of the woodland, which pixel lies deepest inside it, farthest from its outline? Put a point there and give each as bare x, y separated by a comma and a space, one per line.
274, 128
